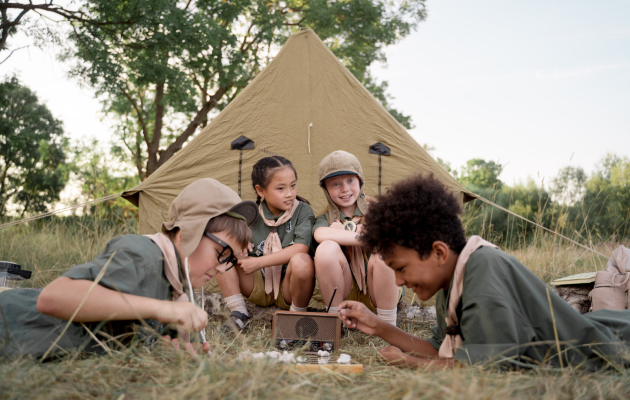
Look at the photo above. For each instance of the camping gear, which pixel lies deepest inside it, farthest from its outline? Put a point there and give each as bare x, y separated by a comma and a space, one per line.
612, 287
11, 274
304, 105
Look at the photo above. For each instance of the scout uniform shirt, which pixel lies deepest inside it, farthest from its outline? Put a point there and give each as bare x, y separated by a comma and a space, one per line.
505, 308
322, 222
137, 268
295, 230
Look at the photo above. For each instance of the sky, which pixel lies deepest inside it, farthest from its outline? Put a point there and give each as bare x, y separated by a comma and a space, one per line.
533, 85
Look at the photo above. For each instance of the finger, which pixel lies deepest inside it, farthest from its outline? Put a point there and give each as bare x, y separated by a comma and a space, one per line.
205, 348
175, 343
350, 313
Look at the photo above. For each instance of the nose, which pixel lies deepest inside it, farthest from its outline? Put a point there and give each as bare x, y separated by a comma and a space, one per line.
221, 268
399, 279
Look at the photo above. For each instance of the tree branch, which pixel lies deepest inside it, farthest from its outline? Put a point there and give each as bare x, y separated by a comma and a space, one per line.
192, 126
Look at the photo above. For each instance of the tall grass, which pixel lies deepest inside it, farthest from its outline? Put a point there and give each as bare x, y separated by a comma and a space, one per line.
50, 247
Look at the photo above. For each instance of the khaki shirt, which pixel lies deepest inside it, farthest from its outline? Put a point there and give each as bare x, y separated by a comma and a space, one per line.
296, 230
137, 268
504, 309
322, 222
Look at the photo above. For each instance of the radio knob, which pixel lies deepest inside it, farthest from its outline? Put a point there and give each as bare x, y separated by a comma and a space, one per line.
283, 344
327, 346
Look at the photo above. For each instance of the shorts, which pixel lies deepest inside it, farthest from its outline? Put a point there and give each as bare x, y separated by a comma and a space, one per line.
260, 298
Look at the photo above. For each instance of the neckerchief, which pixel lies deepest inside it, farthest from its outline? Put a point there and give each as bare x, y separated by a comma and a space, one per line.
273, 274
453, 339
355, 256
172, 270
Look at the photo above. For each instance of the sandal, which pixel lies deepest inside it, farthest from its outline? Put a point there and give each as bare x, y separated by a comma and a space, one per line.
236, 322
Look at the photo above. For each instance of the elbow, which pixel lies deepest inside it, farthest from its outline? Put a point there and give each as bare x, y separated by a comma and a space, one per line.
45, 303
48, 300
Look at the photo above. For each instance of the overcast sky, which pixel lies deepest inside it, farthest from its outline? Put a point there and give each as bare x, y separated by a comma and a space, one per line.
534, 85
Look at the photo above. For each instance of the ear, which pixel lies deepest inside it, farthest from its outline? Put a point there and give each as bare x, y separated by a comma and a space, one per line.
441, 251
259, 191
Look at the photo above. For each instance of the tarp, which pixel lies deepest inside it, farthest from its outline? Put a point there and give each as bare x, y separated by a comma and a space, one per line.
304, 86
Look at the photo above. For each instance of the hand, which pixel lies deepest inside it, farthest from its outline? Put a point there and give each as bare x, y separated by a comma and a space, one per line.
337, 225
249, 265
357, 315
193, 349
185, 315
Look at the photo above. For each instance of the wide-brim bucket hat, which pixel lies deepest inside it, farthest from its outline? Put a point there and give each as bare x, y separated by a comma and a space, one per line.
201, 201
341, 163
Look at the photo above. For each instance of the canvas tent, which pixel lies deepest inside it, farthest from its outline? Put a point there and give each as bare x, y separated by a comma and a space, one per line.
302, 106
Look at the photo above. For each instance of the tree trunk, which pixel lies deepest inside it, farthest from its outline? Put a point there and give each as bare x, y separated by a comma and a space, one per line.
153, 147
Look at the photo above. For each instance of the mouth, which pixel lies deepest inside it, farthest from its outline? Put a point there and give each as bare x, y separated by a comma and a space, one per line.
345, 198
209, 276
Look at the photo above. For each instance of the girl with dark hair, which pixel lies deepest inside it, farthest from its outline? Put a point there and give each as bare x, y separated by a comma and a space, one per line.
278, 269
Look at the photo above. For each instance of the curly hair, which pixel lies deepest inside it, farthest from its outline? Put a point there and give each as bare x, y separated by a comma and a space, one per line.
414, 213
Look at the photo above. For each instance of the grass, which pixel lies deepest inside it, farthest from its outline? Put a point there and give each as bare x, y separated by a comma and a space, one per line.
50, 247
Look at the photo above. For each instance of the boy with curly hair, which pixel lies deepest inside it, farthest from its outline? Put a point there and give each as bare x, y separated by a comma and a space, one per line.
489, 306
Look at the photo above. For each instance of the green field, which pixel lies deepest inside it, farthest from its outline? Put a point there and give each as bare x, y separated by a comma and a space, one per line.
49, 248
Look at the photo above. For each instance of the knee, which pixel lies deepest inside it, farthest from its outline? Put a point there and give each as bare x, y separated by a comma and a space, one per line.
302, 266
325, 250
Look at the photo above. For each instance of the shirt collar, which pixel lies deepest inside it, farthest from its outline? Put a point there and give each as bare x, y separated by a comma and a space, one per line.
357, 213
268, 213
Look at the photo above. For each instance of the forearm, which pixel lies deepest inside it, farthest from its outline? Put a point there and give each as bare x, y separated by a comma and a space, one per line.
344, 238
406, 360
63, 296
283, 256
407, 343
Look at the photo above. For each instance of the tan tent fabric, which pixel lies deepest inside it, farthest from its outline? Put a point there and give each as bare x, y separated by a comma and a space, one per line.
304, 84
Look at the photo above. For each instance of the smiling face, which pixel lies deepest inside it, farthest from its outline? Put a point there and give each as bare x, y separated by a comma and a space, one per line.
281, 190
424, 277
344, 191
203, 263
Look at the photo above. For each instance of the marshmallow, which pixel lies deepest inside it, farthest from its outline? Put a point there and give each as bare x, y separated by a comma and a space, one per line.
344, 359
323, 353
302, 359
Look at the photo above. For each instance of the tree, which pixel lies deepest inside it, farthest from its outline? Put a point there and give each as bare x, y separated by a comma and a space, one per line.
605, 208
15, 13
568, 186
32, 150
482, 174
164, 77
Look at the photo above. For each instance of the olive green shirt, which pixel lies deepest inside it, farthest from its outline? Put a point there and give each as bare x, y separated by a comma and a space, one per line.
295, 230
505, 316
136, 268
322, 222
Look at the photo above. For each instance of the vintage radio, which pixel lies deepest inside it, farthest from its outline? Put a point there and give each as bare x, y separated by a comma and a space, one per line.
310, 331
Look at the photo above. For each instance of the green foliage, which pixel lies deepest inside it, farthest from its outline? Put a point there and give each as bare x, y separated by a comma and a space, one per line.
161, 77
482, 174
32, 151
101, 176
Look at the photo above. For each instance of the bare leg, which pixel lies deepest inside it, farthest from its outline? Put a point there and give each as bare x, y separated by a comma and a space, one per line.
329, 262
299, 280
382, 284
235, 281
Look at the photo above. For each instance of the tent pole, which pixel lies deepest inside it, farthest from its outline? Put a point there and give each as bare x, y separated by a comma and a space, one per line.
240, 163
379, 174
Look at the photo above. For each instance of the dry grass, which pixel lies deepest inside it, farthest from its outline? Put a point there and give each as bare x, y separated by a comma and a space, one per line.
52, 247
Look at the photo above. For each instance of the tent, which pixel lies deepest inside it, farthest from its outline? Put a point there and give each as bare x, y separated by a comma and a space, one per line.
304, 105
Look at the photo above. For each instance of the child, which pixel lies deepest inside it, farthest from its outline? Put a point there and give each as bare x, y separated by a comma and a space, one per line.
279, 269
489, 306
367, 281
137, 277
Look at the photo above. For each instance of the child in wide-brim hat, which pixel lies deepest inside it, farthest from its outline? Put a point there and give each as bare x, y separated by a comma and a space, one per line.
147, 278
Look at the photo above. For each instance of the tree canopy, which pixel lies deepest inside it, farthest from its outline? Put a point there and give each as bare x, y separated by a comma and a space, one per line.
32, 150
163, 77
